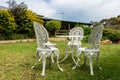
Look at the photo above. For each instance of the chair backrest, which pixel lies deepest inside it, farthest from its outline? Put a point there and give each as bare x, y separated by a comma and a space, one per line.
41, 34
76, 31
96, 35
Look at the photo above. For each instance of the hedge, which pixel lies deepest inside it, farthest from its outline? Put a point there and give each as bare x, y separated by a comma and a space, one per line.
111, 34
108, 33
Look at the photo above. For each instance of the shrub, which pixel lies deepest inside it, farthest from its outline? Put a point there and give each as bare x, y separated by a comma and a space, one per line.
86, 29
19, 36
52, 26
28, 22
111, 34
7, 25
85, 39
24, 19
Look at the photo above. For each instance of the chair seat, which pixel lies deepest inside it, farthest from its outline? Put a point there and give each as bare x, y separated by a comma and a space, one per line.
87, 49
51, 46
74, 43
53, 49
43, 49
82, 49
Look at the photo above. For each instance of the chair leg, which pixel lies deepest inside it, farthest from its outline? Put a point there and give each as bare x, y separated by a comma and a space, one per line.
44, 65
73, 58
85, 58
52, 58
78, 59
37, 59
97, 61
57, 54
66, 55
91, 65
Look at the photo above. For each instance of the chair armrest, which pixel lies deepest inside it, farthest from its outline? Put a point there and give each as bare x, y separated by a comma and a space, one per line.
92, 50
82, 48
49, 44
45, 49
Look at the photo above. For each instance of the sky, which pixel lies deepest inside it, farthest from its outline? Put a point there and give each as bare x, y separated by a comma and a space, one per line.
73, 10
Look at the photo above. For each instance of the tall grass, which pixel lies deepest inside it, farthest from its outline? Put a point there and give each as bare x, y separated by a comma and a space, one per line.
16, 60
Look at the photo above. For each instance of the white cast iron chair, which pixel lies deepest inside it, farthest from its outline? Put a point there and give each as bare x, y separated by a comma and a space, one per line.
45, 48
90, 52
75, 36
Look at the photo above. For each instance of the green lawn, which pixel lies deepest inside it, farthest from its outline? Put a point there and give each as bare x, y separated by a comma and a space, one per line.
16, 60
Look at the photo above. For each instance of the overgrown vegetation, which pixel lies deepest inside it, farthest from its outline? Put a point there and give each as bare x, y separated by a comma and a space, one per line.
16, 60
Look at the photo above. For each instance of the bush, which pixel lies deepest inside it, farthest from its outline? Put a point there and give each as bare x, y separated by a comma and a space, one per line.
52, 26
85, 39
19, 36
28, 22
111, 34
24, 18
87, 30
9, 29
7, 25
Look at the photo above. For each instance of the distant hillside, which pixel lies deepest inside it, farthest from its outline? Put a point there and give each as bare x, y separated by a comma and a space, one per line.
2, 7
113, 22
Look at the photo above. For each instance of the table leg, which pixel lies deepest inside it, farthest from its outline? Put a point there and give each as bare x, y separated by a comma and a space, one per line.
66, 52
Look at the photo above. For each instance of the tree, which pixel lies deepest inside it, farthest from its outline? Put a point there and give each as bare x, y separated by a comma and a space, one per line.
18, 11
23, 17
52, 26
